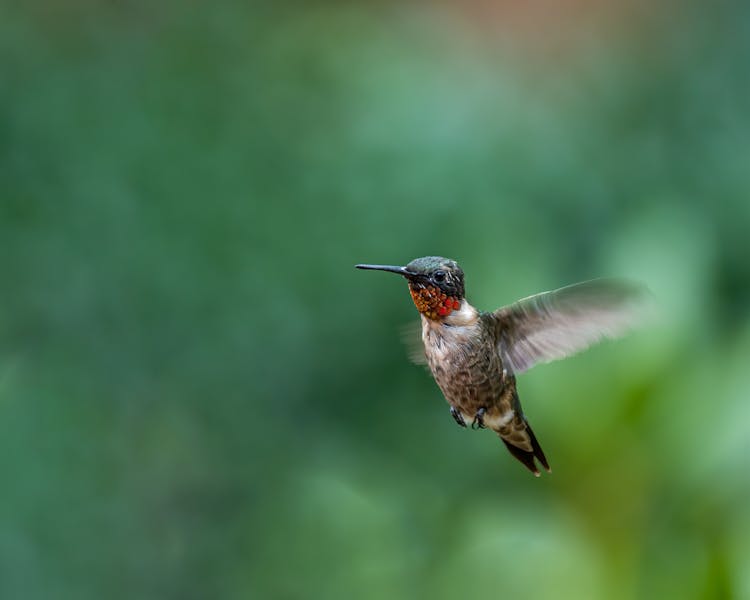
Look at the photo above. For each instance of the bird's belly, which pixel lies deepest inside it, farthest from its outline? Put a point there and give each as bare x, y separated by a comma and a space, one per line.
469, 372
468, 392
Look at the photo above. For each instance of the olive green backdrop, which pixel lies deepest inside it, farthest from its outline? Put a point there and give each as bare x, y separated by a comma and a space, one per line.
200, 397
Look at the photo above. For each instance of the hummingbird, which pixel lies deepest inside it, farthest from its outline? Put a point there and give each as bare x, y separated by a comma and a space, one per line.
474, 356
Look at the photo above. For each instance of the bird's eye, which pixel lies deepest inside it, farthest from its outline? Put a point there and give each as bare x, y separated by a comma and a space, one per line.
439, 276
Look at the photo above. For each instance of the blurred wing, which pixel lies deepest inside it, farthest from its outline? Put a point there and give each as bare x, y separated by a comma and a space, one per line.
411, 335
553, 325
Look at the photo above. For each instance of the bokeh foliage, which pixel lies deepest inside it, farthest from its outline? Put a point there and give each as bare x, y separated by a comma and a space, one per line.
200, 397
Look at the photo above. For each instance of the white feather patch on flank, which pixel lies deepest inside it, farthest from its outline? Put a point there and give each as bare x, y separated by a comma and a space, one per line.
499, 421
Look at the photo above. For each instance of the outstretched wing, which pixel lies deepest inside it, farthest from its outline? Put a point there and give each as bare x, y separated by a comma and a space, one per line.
556, 324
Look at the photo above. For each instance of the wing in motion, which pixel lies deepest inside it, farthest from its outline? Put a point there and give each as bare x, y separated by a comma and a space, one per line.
411, 336
556, 324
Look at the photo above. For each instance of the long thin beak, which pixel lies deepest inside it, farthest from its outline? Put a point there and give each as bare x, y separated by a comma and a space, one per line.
392, 269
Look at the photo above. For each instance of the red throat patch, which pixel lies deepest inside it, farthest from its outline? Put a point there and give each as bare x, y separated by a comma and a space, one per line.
433, 303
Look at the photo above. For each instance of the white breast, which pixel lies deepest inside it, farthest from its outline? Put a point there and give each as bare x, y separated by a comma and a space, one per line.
453, 331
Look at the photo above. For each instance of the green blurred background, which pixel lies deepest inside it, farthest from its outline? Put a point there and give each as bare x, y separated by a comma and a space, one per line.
200, 397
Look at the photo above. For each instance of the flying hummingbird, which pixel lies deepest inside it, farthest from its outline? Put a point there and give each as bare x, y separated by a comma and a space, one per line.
475, 356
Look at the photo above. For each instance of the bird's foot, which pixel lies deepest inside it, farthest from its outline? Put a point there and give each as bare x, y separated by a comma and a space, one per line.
478, 422
458, 417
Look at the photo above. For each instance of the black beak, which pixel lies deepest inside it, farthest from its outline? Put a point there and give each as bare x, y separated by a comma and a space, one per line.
391, 269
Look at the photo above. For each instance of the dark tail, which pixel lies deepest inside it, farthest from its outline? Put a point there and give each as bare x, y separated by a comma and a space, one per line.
526, 457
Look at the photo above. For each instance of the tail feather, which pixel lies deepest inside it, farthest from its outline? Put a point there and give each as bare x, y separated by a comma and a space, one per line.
526, 457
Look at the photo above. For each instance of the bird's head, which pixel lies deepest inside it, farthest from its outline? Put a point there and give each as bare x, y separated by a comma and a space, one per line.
436, 284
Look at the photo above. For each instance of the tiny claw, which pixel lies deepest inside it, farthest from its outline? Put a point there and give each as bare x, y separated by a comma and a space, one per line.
458, 417
478, 422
